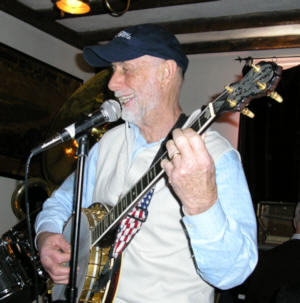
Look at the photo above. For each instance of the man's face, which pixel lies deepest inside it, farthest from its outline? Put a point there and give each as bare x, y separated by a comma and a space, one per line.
135, 83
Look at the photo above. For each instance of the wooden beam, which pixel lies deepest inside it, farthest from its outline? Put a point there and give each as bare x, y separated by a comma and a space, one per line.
210, 24
234, 22
258, 43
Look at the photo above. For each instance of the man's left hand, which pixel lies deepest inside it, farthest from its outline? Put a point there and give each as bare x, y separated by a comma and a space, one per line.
191, 171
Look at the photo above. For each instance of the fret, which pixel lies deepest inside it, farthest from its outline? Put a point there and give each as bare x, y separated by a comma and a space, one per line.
97, 232
101, 228
94, 234
199, 123
119, 206
154, 170
196, 124
139, 187
151, 176
116, 212
157, 168
144, 181
202, 120
206, 115
112, 215
125, 199
219, 102
134, 193
105, 221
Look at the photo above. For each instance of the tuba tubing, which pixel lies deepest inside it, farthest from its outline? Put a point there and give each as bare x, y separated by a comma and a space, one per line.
38, 192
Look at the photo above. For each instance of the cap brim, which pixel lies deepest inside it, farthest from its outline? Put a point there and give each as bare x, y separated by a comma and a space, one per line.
104, 55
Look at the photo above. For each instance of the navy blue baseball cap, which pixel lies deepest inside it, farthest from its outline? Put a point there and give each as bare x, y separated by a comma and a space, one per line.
136, 41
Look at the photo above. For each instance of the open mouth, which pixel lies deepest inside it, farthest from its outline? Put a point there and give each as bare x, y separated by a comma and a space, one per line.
125, 99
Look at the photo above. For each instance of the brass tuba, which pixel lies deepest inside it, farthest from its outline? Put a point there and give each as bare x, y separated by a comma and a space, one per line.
38, 192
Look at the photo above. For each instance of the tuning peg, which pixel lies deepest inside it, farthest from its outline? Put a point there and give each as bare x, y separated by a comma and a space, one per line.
261, 85
229, 89
247, 112
256, 68
232, 103
95, 131
275, 96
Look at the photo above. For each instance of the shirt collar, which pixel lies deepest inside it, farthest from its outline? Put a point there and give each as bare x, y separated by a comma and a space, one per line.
140, 143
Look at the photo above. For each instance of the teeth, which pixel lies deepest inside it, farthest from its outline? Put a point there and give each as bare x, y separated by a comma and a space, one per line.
124, 99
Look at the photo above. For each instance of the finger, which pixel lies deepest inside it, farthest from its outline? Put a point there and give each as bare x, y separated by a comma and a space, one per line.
59, 279
172, 149
198, 147
62, 257
173, 152
182, 143
60, 273
54, 260
196, 141
61, 270
190, 143
167, 166
176, 158
63, 245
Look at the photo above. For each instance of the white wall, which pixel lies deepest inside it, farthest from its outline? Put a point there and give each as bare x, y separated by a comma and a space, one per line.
207, 75
33, 42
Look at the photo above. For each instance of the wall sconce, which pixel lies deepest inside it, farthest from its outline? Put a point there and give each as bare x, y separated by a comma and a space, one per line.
73, 6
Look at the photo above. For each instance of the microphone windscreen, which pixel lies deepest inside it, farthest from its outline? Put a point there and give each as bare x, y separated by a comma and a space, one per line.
111, 109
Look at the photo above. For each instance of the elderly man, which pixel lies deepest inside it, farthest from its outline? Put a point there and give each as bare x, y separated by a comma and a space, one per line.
201, 229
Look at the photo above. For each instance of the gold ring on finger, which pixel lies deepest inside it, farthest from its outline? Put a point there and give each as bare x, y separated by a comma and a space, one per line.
176, 154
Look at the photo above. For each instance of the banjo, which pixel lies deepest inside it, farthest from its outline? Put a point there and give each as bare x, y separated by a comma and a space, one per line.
97, 230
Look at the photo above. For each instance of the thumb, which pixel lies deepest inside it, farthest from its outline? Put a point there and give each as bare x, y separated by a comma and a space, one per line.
63, 244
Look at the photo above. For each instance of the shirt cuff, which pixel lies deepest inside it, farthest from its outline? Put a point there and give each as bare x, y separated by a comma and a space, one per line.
49, 227
208, 225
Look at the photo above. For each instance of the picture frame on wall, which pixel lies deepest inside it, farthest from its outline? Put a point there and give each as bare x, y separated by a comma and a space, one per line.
31, 94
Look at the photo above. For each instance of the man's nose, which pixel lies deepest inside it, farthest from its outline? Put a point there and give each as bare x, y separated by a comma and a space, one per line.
116, 81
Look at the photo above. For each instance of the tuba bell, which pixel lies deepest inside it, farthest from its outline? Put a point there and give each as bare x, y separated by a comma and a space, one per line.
38, 192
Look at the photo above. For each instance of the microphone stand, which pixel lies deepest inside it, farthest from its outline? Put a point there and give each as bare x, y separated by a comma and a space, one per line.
79, 178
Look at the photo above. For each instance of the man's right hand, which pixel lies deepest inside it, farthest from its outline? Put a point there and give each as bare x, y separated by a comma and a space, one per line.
55, 251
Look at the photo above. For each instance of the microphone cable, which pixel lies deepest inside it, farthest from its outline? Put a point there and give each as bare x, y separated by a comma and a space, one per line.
29, 229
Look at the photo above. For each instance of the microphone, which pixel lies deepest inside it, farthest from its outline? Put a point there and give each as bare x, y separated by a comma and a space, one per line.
110, 111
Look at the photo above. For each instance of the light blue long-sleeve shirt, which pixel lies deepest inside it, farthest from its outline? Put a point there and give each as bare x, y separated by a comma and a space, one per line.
223, 238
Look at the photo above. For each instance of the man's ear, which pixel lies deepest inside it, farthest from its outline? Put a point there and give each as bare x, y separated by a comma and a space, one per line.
168, 70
